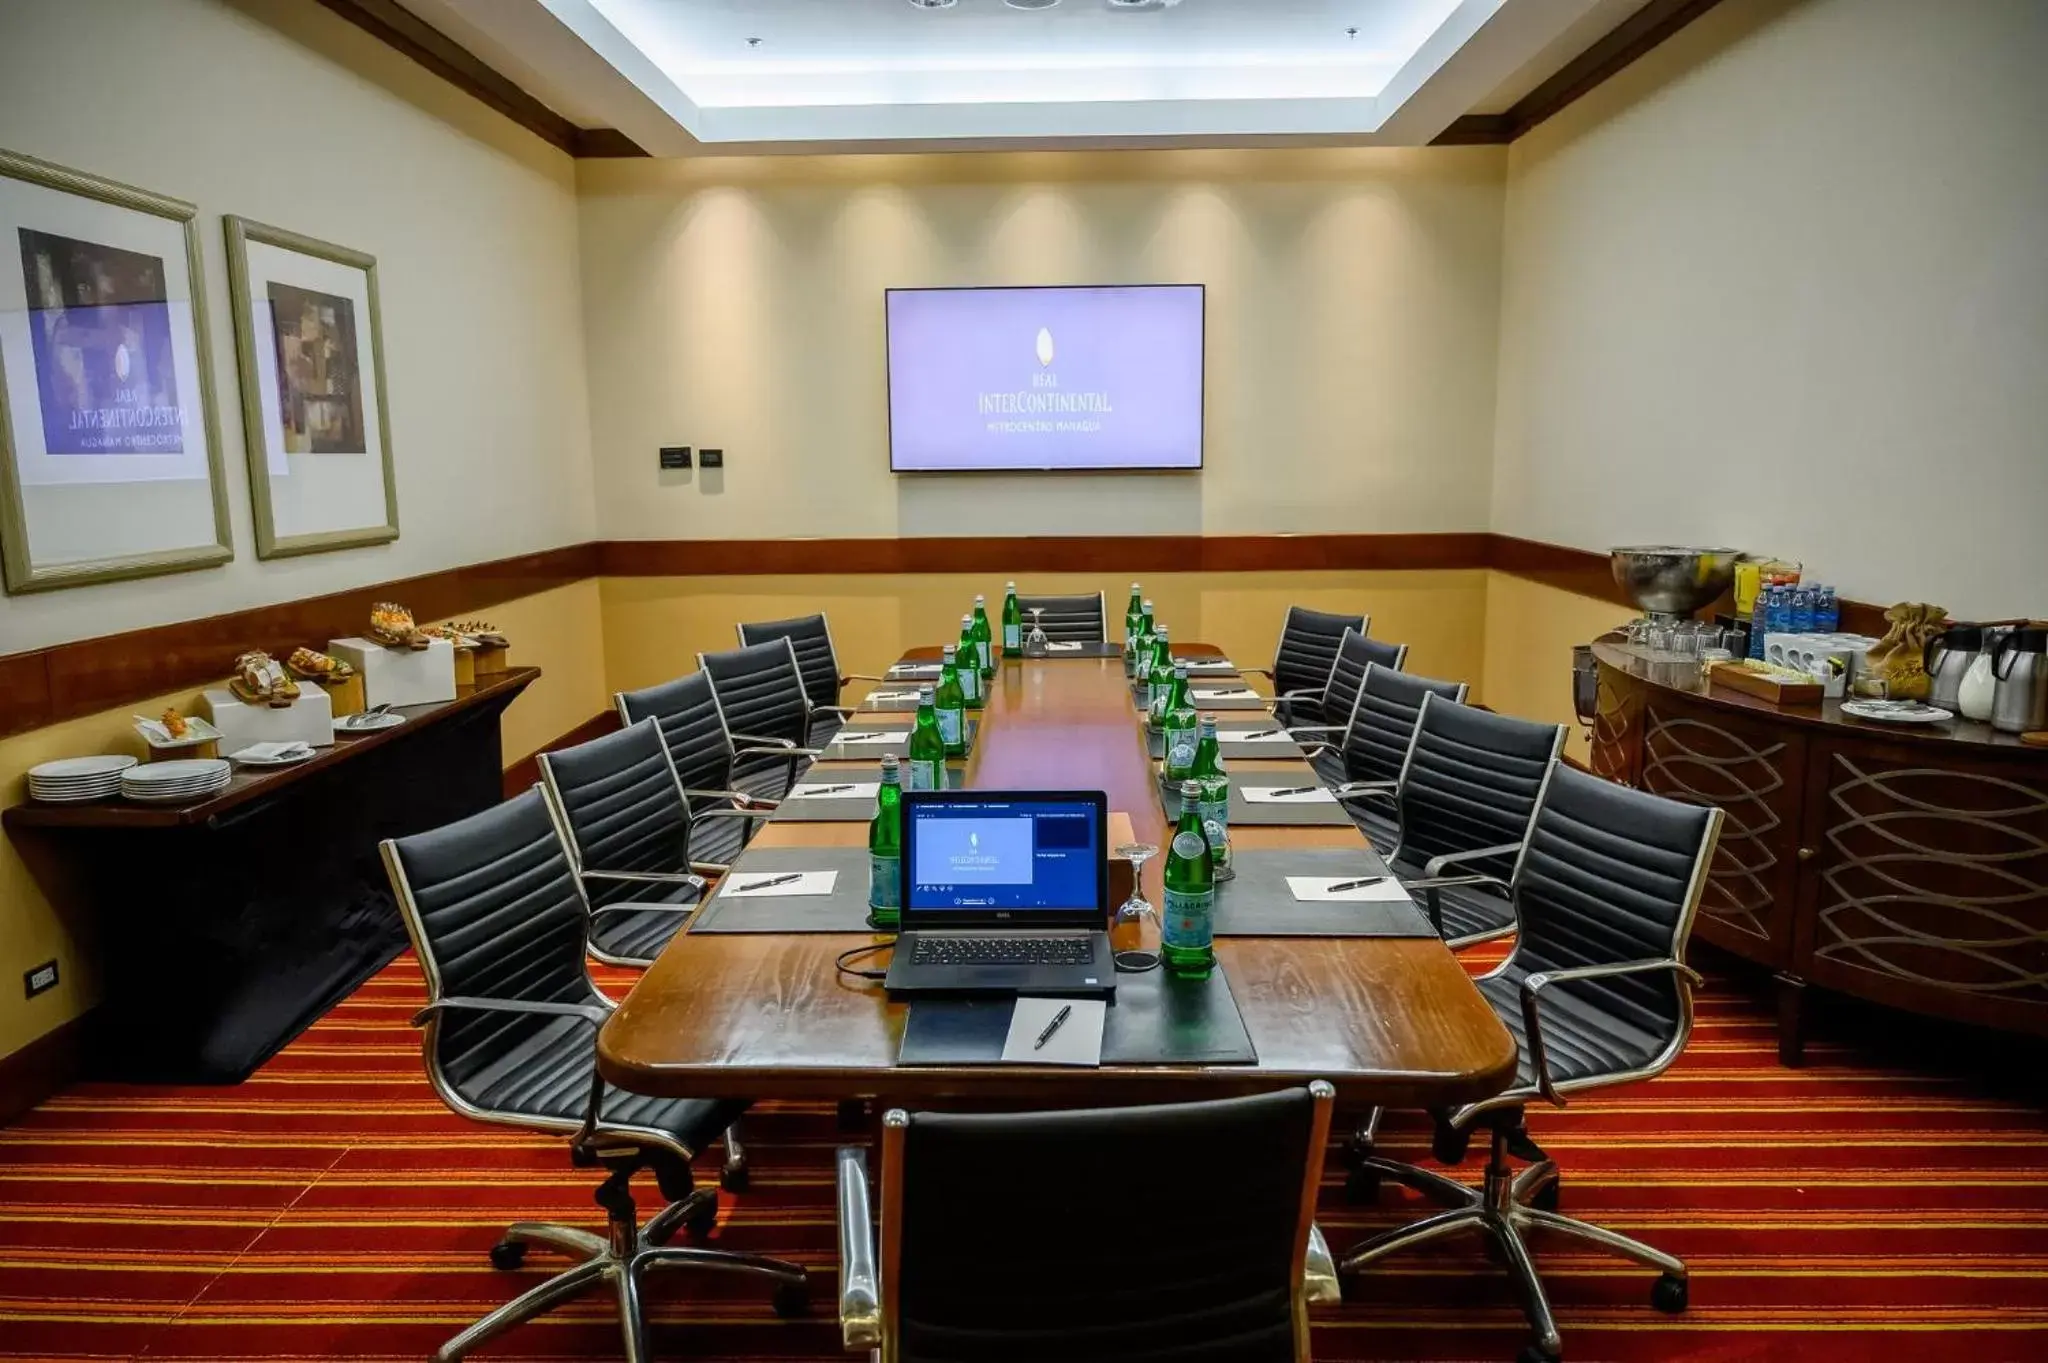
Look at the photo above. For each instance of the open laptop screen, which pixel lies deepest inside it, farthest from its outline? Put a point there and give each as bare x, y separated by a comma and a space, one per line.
991, 854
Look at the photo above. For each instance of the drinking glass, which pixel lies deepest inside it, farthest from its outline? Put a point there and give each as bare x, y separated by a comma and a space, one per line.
1037, 640
1137, 908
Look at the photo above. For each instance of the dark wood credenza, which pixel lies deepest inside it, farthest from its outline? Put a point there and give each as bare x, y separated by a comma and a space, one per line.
1903, 865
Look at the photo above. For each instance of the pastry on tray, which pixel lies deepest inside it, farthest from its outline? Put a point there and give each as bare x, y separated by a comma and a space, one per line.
175, 724
258, 680
314, 665
392, 627
453, 635
485, 633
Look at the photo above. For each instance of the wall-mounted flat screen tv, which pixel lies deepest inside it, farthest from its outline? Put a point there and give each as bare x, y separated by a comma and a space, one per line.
1106, 377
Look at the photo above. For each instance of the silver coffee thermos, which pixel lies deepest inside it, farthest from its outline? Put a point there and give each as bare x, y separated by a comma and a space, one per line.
1949, 655
2020, 703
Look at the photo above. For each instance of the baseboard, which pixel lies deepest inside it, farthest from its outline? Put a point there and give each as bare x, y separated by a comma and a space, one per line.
523, 773
47, 1065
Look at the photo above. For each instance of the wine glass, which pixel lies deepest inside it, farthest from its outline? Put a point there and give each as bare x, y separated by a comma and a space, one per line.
1037, 641
1137, 908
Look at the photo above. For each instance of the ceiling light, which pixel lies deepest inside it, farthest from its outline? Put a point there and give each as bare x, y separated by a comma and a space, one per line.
933, 4
1031, 4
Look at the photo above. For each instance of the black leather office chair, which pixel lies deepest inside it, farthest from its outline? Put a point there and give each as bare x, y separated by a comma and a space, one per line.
1082, 618
1025, 1267
1326, 710
704, 757
1465, 799
1374, 745
818, 661
511, 1034
1597, 993
762, 701
1308, 645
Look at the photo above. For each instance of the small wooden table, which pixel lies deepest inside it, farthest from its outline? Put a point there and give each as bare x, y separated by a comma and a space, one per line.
1392, 1021
224, 927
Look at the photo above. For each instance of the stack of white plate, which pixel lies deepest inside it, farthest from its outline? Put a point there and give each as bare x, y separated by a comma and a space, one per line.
77, 780
175, 783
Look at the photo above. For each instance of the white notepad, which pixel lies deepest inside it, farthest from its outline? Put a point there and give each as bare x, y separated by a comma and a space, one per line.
1255, 736
1213, 665
916, 670
1271, 795
1078, 1041
892, 695
1064, 646
1231, 693
1317, 890
869, 736
836, 790
757, 884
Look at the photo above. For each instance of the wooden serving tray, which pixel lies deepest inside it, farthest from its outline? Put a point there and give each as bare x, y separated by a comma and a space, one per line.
1738, 678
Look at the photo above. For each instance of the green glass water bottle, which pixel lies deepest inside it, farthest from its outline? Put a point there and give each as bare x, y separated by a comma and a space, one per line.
1159, 679
971, 689
950, 705
984, 638
1188, 927
1134, 615
1013, 623
885, 851
1141, 651
1215, 784
927, 745
1183, 729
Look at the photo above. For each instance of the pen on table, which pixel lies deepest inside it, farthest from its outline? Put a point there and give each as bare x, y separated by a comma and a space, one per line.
769, 883
1051, 1027
1354, 884
1263, 733
827, 790
1295, 790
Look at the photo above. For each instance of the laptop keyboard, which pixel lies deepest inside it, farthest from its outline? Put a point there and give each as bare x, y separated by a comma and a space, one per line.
1006, 949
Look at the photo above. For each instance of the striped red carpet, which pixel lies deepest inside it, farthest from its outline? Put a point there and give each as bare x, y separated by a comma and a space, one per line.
1867, 1207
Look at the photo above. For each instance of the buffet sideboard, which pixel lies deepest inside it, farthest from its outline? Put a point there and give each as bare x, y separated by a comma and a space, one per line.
1905, 866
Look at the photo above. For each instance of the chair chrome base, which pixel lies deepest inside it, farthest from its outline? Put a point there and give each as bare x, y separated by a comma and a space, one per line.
622, 1258
1500, 1207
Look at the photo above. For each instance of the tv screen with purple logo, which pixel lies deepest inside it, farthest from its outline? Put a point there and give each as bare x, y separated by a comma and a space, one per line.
1106, 377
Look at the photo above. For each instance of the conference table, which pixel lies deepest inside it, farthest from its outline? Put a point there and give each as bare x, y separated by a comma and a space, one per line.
1389, 1021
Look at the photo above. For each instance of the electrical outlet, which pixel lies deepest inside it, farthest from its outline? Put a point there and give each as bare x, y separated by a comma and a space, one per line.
675, 456
39, 979
712, 459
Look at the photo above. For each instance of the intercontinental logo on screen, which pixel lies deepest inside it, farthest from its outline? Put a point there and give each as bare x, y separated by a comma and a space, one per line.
1041, 404
973, 859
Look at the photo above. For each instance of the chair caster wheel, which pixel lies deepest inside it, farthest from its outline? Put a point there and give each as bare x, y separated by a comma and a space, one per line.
1362, 1186
792, 1300
733, 1178
700, 1222
1535, 1353
1546, 1199
1448, 1144
508, 1254
1670, 1295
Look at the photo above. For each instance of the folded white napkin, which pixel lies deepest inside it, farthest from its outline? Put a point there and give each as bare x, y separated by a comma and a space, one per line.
1288, 795
271, 752
759, 884
836, 790
1319, 889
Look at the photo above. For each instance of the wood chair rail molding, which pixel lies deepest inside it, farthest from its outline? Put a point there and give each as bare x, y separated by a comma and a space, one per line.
65, 681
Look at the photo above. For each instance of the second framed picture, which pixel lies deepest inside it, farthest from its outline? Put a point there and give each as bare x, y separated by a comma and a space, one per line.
312, 360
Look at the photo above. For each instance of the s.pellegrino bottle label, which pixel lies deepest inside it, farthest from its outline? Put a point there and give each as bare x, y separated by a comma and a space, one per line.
924, 773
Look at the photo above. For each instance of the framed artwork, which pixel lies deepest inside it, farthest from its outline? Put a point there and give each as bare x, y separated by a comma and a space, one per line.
312, 360
110, 462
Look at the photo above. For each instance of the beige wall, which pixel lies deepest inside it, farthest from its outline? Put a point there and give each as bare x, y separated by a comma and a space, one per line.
281, 112
1780, 284
1352, 327
1531, 630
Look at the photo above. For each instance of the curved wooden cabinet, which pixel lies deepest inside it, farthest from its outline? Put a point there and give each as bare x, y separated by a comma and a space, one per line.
1904, 866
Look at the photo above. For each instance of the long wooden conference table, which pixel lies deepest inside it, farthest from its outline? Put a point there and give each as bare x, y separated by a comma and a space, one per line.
1393, 1021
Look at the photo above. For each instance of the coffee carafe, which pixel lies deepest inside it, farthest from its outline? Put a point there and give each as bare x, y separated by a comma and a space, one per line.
1948, 658
2020, 703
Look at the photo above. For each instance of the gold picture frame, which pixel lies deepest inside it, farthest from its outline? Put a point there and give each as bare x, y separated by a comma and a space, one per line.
262, 435
19, 570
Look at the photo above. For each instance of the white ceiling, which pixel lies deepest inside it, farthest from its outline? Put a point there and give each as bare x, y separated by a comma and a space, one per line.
680, 78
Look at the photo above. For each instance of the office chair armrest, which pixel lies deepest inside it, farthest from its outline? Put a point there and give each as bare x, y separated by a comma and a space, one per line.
791, 752
1318, 749
1534, 985
860, 1296
627, 906
761, 811
647, 877
1319, 1283
1435, 865
836, 710
1432, 901
595, 1014
1313, 728
1255, 672
736, 796
863, 676
1366, 790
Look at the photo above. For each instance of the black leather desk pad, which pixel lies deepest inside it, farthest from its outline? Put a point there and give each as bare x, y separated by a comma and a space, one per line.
898, 746
847, 809
1157, 1019
1256, 902
1155, 743
1289, 814
844, 910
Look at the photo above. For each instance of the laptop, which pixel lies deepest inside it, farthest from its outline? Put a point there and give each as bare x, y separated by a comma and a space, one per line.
1004, 892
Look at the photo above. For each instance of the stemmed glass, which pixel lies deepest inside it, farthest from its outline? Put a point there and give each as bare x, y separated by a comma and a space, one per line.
1037, 640
1137, 908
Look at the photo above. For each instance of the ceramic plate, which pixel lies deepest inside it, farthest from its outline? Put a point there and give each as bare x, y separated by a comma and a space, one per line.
1883, 713
383, 721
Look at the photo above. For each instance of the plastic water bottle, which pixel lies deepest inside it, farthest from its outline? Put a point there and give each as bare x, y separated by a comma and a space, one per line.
1827, 616
1802, 610
1781, 609
1759, 621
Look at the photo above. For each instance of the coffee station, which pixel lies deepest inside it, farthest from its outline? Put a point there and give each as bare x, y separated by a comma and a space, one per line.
1886, 797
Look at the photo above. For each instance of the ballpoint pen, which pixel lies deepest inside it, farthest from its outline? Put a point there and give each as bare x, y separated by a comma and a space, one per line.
1292, 790
1262, 733
769, 883
1354, 884
1051, 1027
827, 790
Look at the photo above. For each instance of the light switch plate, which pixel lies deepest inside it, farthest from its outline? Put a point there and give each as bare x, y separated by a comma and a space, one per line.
712, 459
